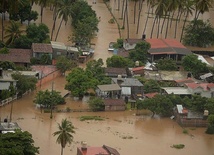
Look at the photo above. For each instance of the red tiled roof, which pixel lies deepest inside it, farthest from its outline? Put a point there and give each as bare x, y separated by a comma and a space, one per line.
93, 151
137, 68
111, 150
117, 102
17, 55
42, 48
189, 80
150, 95
204, 86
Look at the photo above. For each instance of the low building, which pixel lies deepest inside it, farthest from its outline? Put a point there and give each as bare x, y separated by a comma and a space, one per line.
92, 150
40, 49
6, 80
138, 71
130, 86
114, 105
60, 49
20, 57
108, 91
115, 72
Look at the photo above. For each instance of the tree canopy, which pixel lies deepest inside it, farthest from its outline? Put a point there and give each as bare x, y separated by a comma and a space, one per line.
199, 33
49, 98
65, 64
24, 83
96, 104
194, 65
119, 62
140, 52
78, 82
18, 143
159, 104
166, 64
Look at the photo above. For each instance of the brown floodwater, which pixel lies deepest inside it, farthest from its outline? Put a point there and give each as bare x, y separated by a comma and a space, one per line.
129, 134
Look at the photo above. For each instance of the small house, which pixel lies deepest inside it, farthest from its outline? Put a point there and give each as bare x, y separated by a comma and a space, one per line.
20, 57
114, 105
40, 49
92, 150
108, 91
130, 86
114, 72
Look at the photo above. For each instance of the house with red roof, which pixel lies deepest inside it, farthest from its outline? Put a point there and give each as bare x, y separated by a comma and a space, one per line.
138, 71
160, 48
92, 150
203, 89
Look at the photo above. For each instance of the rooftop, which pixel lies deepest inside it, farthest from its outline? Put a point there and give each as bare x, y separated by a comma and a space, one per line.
42, 48
109, 87
17, 56
176, 90
127, 81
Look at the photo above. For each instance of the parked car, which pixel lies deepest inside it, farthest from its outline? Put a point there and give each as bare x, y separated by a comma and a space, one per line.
110, 47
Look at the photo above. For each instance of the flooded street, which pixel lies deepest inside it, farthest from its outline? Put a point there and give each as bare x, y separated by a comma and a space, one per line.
129, 134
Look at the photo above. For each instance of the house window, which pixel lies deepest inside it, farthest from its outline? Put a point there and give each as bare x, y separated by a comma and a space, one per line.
58, 53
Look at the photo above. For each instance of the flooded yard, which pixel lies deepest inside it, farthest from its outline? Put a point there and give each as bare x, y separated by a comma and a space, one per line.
129, 134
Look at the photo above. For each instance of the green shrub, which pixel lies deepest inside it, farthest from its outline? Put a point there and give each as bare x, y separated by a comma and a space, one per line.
185, 131
111, 21
210, 129
178, 146
97, 118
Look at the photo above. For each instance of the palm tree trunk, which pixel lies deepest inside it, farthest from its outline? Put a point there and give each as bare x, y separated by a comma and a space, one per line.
54, 25
2, 25
153, 25
61, 150
172, 18
158, 26
147, 19
187, 14
163, 24
118, 7
135, 4
138, 22
58, 29
127, 19
41, 13
167, 26
176, 25
122, 9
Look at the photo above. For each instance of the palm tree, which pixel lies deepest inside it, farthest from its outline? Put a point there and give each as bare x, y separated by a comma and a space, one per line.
188, 8
13, 32
202, 6
66, 129
43, 4
64, 11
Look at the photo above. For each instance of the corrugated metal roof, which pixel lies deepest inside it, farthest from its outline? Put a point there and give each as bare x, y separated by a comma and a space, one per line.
109, 87
177, 90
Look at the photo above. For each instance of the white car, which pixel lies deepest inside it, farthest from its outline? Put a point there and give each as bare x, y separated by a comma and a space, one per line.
110, 47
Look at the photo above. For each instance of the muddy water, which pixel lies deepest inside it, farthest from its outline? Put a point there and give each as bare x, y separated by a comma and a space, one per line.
146, 135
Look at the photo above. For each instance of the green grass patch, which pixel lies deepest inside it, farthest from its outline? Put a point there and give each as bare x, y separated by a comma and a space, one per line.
97, 118
185, 131
178, 146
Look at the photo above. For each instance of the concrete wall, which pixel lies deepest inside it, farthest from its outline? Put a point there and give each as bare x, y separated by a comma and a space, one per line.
48, 78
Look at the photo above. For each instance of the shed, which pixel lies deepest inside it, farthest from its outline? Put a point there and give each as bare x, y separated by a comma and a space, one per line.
114, 104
